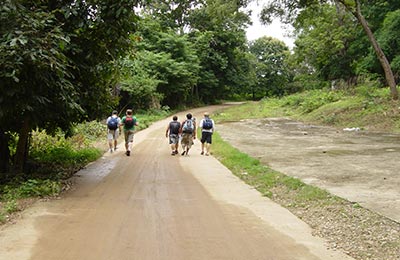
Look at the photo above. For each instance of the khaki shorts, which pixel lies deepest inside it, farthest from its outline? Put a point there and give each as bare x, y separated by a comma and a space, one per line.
129, 136
187, 140
112, 134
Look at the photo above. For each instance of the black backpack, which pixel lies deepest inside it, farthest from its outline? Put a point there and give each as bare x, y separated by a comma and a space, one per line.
129, 122
113, 123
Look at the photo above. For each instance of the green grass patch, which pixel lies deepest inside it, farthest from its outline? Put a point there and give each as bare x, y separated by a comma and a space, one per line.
267, 181
29, 188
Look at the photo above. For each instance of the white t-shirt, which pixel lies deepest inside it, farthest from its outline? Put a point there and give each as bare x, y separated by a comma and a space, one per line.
207, 130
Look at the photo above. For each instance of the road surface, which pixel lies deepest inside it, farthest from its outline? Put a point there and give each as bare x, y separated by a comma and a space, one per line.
153, 206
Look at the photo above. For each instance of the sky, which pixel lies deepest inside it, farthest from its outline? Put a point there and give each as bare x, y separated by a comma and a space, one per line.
258, 30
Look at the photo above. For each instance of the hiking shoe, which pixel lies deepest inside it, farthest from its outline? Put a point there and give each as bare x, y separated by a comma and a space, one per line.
202, 153
128, 153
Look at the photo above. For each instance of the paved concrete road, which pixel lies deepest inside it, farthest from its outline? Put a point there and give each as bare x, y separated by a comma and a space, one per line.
156, 206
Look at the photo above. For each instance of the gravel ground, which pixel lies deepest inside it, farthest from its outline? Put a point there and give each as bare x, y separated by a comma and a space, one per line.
360, 233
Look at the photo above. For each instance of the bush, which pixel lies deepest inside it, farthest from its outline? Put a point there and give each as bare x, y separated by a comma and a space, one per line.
88, 132
30, 188
311, 100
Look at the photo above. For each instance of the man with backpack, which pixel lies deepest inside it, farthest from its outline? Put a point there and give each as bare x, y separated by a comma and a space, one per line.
173, 133
129, 122
207, 126
113, 128
188, 131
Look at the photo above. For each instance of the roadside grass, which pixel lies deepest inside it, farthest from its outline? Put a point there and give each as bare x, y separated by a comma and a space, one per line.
263, 178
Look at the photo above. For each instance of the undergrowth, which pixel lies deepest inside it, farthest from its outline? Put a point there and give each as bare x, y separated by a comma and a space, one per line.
364, 107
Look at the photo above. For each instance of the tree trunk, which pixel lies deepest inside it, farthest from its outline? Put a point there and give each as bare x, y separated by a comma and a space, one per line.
22, 147
379, 52
4, 152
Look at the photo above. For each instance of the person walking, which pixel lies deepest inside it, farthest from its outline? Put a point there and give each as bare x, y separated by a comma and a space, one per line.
113, 128
188, 132
129, 122
207, 126
173, 133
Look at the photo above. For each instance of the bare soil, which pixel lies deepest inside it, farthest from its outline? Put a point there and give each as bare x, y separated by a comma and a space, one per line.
152, 205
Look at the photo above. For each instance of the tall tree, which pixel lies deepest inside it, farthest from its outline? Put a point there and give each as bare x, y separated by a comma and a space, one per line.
56, 63
218, 32
271, 70
289, 11
324, 37
170, 58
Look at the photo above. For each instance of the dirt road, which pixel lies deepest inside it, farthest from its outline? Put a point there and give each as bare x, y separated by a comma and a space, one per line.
359, 166
156, 206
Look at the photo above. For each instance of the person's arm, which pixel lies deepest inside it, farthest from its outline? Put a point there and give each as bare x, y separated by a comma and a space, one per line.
195, 130
108, 119
181, 127
167, 130
119, 123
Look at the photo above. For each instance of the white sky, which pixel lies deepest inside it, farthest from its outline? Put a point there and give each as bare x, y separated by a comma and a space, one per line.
258, 30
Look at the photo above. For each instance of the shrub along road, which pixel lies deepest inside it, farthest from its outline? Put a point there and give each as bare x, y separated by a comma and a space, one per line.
156, 206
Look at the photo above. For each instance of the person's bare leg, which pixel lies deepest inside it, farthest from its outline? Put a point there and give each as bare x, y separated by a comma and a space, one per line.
208, 148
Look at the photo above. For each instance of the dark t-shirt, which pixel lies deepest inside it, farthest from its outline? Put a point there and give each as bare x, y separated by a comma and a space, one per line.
174, 127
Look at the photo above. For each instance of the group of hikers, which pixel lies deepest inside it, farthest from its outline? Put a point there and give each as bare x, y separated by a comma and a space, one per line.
186, 132
114, 125
178, 132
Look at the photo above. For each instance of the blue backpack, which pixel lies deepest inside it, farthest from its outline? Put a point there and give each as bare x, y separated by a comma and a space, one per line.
188, 126
113, 123
207, 124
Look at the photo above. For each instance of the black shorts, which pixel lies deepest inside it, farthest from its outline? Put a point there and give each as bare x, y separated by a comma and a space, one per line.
206, 137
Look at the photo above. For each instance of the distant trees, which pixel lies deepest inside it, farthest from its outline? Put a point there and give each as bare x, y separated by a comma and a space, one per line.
205, 46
